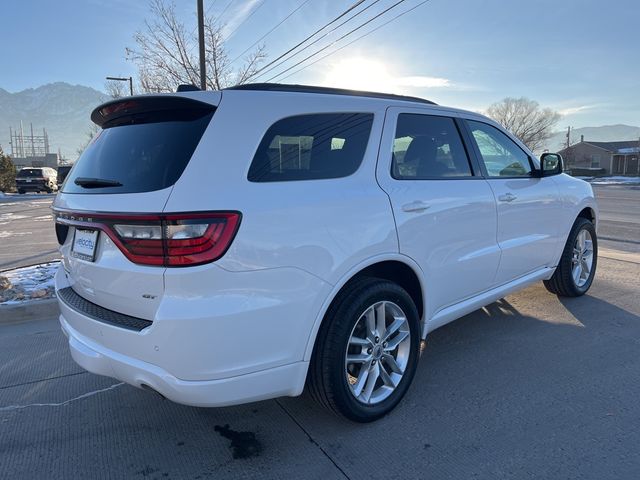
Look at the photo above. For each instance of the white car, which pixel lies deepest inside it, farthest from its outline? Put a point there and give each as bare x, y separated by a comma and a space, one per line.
231, 246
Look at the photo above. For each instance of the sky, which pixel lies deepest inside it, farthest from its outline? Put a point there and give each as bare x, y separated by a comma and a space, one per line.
579, 57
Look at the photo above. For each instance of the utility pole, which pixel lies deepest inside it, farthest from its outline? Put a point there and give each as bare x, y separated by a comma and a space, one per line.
124, 79
203, 67
568, 137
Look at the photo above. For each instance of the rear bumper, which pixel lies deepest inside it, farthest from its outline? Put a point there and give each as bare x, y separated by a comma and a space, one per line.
32, 186
270, 383
221, 338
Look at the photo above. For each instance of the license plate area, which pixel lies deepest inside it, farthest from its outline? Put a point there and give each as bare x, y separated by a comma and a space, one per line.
84, 244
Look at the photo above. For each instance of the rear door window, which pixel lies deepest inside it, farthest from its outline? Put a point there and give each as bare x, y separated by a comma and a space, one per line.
308, 147
428, 147
141, 157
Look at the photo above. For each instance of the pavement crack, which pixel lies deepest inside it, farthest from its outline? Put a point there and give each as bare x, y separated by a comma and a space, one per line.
42, 380
61, 404
312, 440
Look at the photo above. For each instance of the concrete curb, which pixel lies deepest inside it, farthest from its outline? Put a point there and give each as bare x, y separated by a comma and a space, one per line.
29, 310
619, 255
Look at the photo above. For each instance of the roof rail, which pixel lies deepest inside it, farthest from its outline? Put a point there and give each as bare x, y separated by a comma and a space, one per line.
283, 87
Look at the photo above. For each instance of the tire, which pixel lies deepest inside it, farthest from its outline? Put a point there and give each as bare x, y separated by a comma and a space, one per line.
20, 192
564, 282
335, 383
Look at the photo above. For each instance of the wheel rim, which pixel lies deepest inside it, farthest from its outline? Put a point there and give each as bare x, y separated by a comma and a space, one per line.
377, 352
582, 259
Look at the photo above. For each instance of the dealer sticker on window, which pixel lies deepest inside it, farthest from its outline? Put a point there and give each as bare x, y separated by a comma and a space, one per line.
84, 244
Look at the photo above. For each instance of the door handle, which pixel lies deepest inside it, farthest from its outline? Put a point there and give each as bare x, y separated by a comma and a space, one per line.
507, 197
417, 206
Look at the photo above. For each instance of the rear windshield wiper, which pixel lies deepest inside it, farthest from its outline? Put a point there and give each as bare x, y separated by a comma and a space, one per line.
96, 182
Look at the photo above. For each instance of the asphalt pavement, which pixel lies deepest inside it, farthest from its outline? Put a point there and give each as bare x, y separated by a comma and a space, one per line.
619, 227
27, 236
532, 386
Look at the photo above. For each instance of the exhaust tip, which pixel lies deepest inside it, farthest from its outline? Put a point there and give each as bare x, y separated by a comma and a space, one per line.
146, 387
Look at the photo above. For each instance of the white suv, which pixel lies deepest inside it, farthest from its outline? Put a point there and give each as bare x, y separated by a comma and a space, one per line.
232, 246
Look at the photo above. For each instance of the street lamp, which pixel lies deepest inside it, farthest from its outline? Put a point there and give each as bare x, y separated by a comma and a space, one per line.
124, 79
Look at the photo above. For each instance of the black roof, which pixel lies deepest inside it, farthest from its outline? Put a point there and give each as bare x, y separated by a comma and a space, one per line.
283, 87
615, 146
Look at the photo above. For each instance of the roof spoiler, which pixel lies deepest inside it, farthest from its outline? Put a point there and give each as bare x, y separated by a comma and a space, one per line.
187, 87
147, 108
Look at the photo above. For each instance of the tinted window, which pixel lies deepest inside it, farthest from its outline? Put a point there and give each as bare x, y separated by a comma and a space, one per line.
142, 157
30, 172
501, 156
306, 147
427, 146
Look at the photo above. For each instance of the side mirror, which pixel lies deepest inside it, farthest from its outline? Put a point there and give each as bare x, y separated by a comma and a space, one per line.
550, 164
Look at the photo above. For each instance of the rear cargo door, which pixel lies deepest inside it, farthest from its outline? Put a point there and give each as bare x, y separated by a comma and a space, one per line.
107, 212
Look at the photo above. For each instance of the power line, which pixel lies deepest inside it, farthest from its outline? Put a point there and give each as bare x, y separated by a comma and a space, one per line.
335, 41
206, 12
269, 32
224, 10
320, 38
245, 19
356, 4
354, 40
212, 22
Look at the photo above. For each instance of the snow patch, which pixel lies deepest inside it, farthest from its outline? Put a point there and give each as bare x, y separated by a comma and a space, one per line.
11, 216
615, 180
7, 234
28, 283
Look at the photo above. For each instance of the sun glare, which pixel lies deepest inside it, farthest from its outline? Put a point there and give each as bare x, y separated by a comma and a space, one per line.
359, 73
362, 74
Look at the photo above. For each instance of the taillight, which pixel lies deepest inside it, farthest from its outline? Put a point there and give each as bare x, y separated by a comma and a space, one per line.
173, 240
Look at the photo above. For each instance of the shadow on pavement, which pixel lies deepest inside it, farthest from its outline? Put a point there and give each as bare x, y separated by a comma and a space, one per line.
529, 387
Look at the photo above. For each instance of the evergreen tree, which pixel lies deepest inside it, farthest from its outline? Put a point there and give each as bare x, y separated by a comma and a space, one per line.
7, 173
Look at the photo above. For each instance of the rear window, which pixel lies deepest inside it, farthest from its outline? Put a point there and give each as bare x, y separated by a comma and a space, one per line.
30, 172
143, 155
309, 147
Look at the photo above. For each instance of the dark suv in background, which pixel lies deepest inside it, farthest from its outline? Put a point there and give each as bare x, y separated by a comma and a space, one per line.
37, 179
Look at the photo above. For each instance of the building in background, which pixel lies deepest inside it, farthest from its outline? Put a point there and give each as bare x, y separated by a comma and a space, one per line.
30, 150
603, 158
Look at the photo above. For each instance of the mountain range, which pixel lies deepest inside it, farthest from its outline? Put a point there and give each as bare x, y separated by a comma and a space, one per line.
64, 109
60, 108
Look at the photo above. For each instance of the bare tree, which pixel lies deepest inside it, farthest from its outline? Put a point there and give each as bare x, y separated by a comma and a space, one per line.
166, 53
92, 131
525, 119
116, 88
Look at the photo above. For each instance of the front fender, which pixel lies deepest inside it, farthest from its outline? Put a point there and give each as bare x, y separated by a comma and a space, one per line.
576, 196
